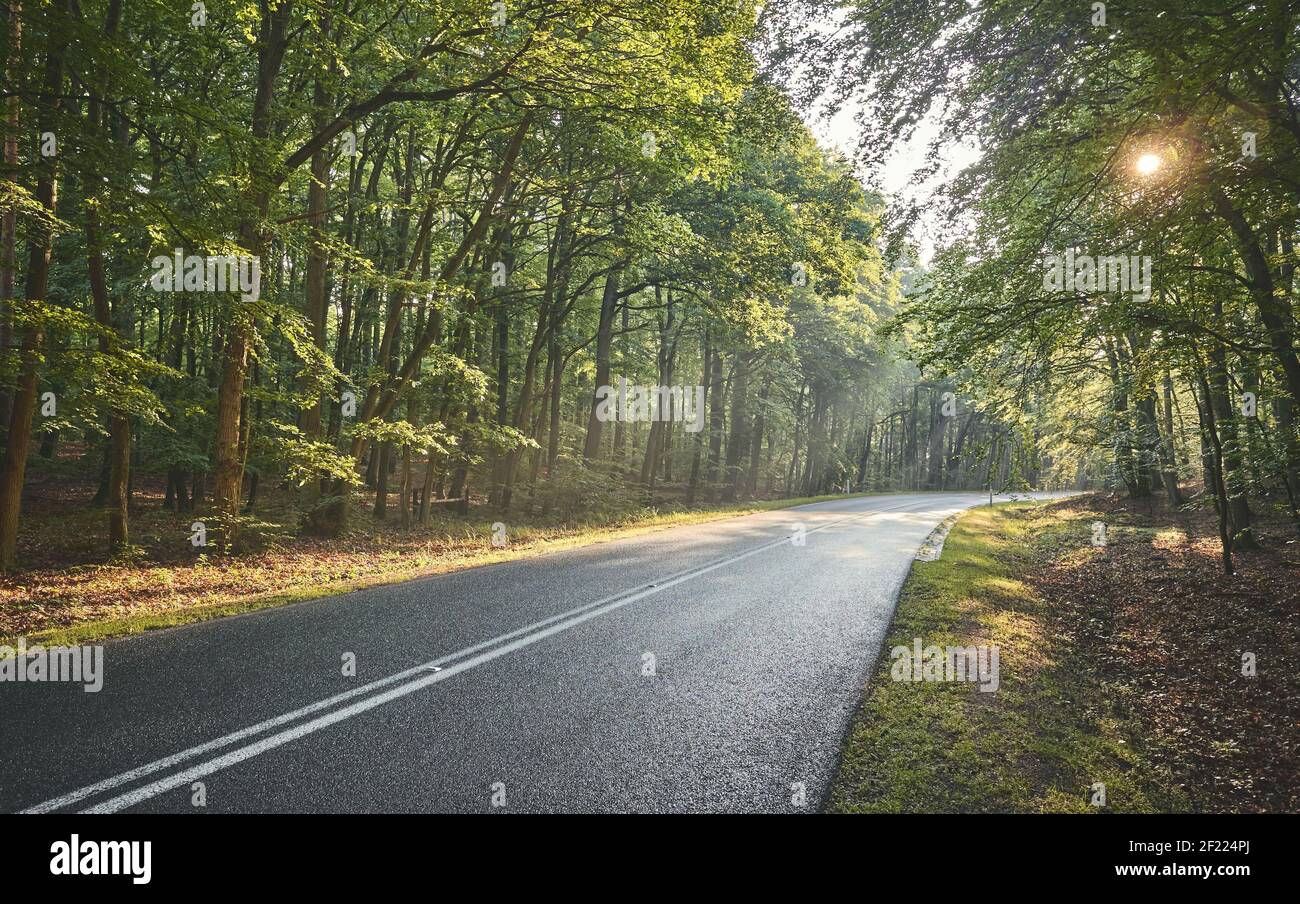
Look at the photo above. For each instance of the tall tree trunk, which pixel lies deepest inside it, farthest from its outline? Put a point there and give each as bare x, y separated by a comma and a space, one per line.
717, 415
865, 457
1124, 457
227, 443
384, 453
119, 443
1274, 312
1228, 445
737, 441
556, 359
604, 336
314, 283
756, 440
501, 344
934, 455
655, 442
1214, 476
9, 218
39, 244
1167, 457
697, 443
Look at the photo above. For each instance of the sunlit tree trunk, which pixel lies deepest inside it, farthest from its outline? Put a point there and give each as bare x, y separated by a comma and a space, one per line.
39, 244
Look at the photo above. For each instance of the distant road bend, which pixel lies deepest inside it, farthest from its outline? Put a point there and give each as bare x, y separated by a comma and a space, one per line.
712, 667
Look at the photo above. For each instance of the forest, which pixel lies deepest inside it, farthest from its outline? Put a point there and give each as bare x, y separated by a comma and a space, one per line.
462, 222
1117, 267
321, 266
574, 406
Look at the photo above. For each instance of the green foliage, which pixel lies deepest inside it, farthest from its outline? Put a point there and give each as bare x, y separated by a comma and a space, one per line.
305, 459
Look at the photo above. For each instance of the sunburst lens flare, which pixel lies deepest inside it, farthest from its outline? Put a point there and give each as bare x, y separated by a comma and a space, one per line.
1148, 164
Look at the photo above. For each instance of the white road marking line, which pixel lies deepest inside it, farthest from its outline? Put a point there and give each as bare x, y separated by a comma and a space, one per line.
518, 638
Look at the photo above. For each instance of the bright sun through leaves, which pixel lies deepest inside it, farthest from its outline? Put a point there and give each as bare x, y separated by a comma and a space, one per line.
1148, 164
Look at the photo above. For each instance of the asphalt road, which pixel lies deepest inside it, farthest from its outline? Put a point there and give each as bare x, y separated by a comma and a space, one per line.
521, 687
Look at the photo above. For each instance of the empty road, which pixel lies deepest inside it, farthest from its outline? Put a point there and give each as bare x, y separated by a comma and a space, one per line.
703, 668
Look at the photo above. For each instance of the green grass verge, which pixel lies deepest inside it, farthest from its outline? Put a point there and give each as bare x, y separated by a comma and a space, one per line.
472, 550
1036, 744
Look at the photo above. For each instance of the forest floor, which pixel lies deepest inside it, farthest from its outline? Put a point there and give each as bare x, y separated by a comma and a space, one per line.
69, 591
1120, 665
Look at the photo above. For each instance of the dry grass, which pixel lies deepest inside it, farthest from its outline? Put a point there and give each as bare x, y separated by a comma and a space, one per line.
71, 592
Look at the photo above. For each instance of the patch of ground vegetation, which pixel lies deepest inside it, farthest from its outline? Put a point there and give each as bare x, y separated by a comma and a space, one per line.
1120, 665
71, 592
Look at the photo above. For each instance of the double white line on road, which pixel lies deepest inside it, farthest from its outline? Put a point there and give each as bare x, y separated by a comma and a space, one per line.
429, 673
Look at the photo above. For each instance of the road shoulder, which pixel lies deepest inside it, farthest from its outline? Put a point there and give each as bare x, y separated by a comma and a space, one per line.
88, 603
1103, 691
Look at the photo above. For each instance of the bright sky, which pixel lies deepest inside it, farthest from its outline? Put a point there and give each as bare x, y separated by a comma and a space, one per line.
841, 133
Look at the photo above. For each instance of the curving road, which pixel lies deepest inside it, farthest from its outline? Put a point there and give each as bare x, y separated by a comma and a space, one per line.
704, 668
